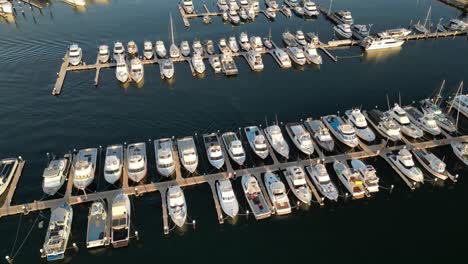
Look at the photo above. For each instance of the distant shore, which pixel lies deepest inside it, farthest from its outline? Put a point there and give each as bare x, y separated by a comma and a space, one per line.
460, 4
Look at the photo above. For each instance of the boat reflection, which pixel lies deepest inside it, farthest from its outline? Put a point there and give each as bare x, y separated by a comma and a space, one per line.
378, 56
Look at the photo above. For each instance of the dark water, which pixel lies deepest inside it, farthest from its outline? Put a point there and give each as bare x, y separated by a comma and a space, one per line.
427, 225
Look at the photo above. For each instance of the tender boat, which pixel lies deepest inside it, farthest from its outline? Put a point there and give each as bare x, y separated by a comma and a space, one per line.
300, 137
255, 60
58, 232
270, 12
460, 103
120, 224
227, 198
461, 151
232, 43
310, 8
222, 45
215, 63
297, 55
255, 197
395, 33
185, 48
292, 3
197, 47
282, 58
344, 30
214, 150
7, 171
222, 5
164, 153
432, 163
198, 64
257, 141
228, 65
406, 127
234, 147
289, 39
168, 68
277, 141
98, 230
271, 3
344, 17
188, 6
160, 49
148, 50
425, 122
119, 50
74, 54
428, 107
233, 5
53, 177
136, 163
359, 31
341, 130
404, 162
113, 163
384, 124
300, 38
296, 179
104, 54
277, 193
85, 166
256, 43
132, 49
312, 55
209, 47
371, 43
350, 179
457, 25
188, 153
176, 205
356, 119
244, 41
6, 7
121, 71
368, 175
320, 134
136, 70
322, 181
233, 16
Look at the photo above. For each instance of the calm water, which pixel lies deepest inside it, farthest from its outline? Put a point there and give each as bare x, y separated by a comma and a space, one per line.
423, 225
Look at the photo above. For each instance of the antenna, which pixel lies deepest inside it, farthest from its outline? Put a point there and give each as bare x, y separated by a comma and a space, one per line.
438, 97
276, 117
388, 102
399, 98
266, 121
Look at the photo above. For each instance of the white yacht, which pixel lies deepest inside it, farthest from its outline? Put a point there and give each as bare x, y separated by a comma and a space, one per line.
222, 45
228, 65
163, 151
368, 175
425, 122
299, 11
404, 162
460, 103
251, 13
461, 151
292, 3
234, 147
120, 221
270, 13
289, 39
300, 38
243, 14
372, 43
356, 119
58, 232
54, 175
232, 43
104, 54
185, 48
277, 141
197, 47
233, 16
209, 46
214, 150
344, 17
137, 71
132, 49
6, 7
350, 179
244, 3
296, 179
255, 197
432, 163
233, 5
297, 55
360, 31
222, 5
227, 198
255, 60
167, 68
257, 141
174, 51
188, 153
277, 193
198, 64
119, 50
310, 8
215, 63
271, 3
160, 49
457, 25
428, 107
176, 205
244, 41
113, 164
300, 137
188, 6
320, 134
395, 33
148, 50
282, 58
74, 54
85, 166
311, 54
406, 127
344, 30
136, 163
256, 43
267, 42
386, 126
97, 233
322, 181
341, 130
121, 71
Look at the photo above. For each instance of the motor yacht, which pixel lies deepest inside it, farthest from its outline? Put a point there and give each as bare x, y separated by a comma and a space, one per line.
197, 47
405, 164
187, 6
428, 107
356, 119
58, 232
136, 161
255, 60
160, 49
256, 43
214, 151
119, 50
320, 134
164, 154
255, 198
350, 179
282, 58
311, 54
399, 115
432, 163
227, 198
425, 122
198, 64
185, 48
257, 141
275, 137
85, 167
297, 55
296, 179
215, 63
289, 39
136, 70
310, 8
97, 233
176, 205
148, 50
188, 153
343, 30
74, 54
322, 181
368, 175
233, 17
344, 132
209, 47
121, 71
385, 125
372, 43
277, 193
168, 69
132, 49
113, 164
104, 54
232, 43
461, 151
300, 137
234, 147
244, 41
344, 16
53, 176
120, 221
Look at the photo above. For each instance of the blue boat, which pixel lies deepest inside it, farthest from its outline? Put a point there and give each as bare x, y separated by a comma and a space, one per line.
341, 130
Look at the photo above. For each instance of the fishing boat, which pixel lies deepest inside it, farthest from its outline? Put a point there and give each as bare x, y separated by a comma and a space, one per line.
430, 107
350, 179
399, 115
104, 54
457, 25
120, 221
425, 122
121, 71
198, 64
85, 166
297, 55
289, 39
322, 181
257, 141
164, 154
74, 55
368, 175
234, 147
185, 48
271, 3
384, 124
227, 198
160, 49
176, 205
53, 178
343, 30
244, 41
256, 43
255, 197
371, 43
119, 50
255, 60
311, 54
222, 5
215, 63
359, 31
188, 6
277, 193
320, 134
341, 130
209, 47
136, 70
148, 50
344, 16
168, 68
300, 137
188, 153
233, 16
98, 230
282, 58
113, 163
405, 164
432, 163
213, 149
174, 51
310, 8
58, 232
424, 28
228, 65
395, 33
132, 49
7, 171
232, 43
277, 141
136, 162
461, 151
295, 177
197, 47
356, 119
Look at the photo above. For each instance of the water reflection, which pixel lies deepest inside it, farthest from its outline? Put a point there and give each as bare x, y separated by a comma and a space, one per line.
379, 56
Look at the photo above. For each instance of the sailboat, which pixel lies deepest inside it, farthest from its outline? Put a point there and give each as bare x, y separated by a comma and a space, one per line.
424, 28
173, 50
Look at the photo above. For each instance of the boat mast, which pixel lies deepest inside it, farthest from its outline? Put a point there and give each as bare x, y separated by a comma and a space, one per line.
438, 96
427, 17
388, 102
172, 29
460, 88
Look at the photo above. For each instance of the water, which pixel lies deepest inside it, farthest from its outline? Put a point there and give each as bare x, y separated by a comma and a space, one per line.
423, 225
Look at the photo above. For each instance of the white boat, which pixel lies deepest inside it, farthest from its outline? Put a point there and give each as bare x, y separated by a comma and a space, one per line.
233, 16
232, 4
74, 54
299, 11
243, 14
461, 151
120, 221
256, 43
425, 122
104, 54
58, 232
198, 64
232, 43
234, 147
296, 179
300, 38
6, 7
429, 107
7, 171
84, 168
282, 58
356, 119
432, 163
310, 8
168, 68
395, 33
286, 11
227, 198
222, 5
121, 71
424, 28
244, 41
214, 152
457, 25
148, 50
160, 49
132, 49
188, 153
80, 3
185, 48
215, 63
176, 205
225, 16
119, 50
255, 60
300, 137
372, 43
360, 31
244, 3
368, 175
406, 127
209, 47
297, 55
188, 6
271, 3
385, 125
53, 177
277, 193
270, 12
222, 45
251, 13
174, 51
344, 30
405, 164
97, 233
350, 179
136, 162
322, 181
277, 141
320, 134
113, 163
255, 197
311, 54
163, 152
289, 39
292, 3
228, 65
197, 47
460, 103
136, 70
341, 130
344, 17
257, 141
267, 43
